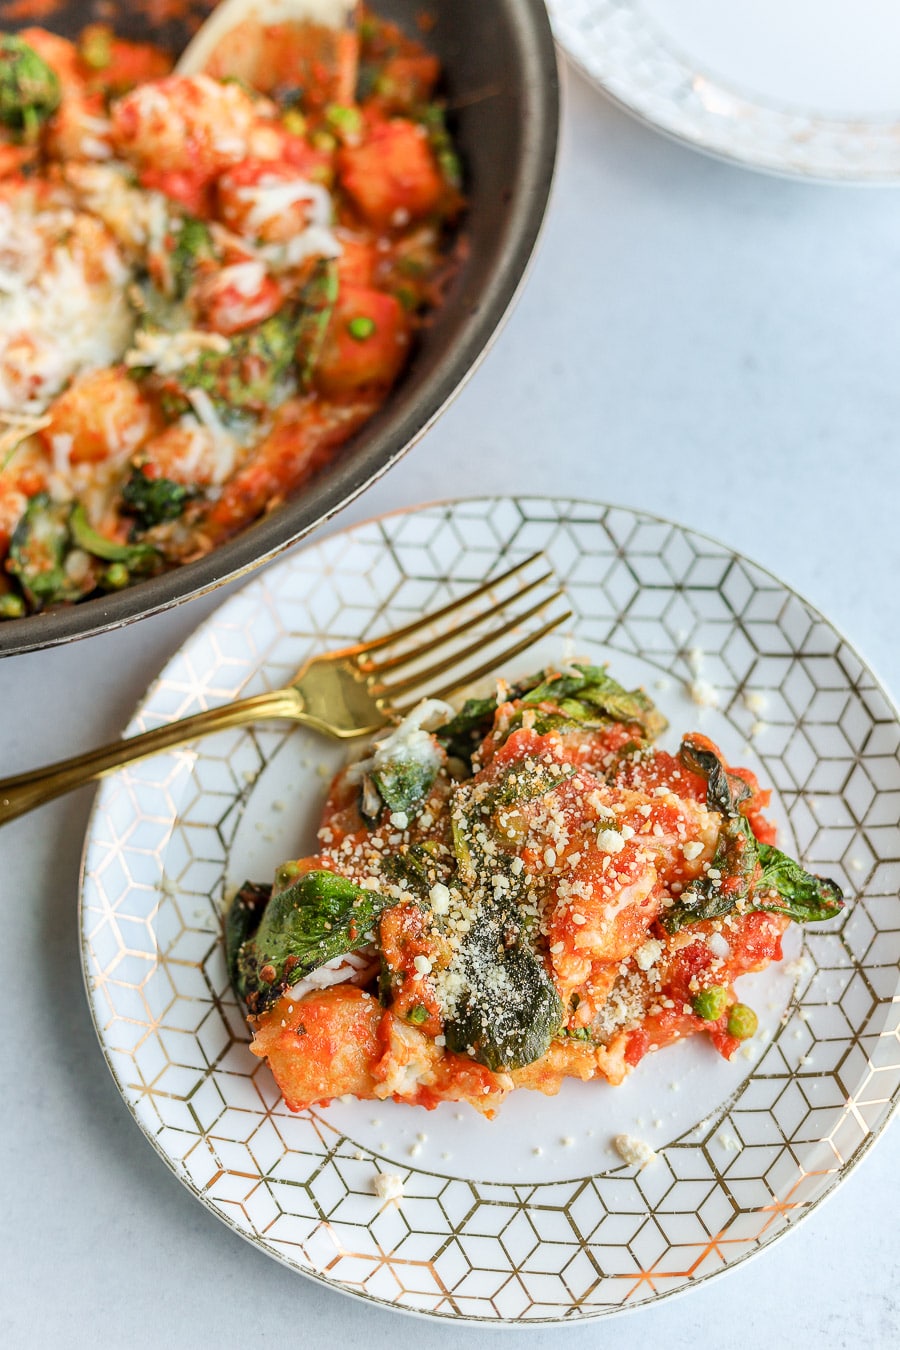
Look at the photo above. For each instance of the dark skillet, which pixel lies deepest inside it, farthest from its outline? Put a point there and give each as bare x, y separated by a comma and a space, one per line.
500, 79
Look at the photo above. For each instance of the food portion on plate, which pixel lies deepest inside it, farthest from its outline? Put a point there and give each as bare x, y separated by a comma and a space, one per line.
207, 284
527, 891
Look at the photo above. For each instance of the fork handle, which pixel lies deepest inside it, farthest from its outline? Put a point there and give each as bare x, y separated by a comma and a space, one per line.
28, 790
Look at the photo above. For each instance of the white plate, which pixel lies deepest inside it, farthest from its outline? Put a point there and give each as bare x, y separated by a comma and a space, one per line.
807, 88
530, 1217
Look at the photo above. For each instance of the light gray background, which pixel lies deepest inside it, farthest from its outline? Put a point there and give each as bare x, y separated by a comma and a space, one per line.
702, 342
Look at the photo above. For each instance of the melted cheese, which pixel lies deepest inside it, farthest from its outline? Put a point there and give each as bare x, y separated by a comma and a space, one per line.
168, 353
271, 200
63, 307
137, 218
223, 444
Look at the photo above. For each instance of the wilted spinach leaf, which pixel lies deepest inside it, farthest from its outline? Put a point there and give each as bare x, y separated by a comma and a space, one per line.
586, 697
416, 870
805, 897
465, 732
510, 1011
38, 550
153, 500
321, 917
193, 247
592, 691
402, 782
317, 300
724, 791
736, 860
241, 922
29, 87
744, 872
137, 557
257, 371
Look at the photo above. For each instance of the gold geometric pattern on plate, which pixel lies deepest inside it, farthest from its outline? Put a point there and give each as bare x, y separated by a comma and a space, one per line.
546, 1245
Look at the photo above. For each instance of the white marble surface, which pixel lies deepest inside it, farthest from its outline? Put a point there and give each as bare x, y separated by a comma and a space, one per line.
695, 340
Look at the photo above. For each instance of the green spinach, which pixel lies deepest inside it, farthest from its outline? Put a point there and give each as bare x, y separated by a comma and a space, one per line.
255, 373
591, 692
509, 1010
586, 698
317, 301
321, 917
154, 500
241, 922
403, 783
744, 873
29, 87
38, 550
193, 247
803, 896
136, 557
462, 735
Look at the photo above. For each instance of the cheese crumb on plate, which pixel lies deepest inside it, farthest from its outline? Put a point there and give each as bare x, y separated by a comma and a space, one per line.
634, 1152
388, 1186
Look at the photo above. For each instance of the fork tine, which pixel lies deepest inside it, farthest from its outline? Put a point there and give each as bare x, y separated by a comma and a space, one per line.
420, 677
470, 676
387, 639
379, 668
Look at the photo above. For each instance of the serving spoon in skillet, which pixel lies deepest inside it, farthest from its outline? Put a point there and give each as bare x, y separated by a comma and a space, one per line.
230, 41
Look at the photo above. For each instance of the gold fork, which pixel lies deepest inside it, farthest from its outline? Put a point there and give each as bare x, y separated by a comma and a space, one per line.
346, 693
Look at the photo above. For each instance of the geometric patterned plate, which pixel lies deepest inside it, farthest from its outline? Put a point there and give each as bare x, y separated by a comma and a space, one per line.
531, 1217
758, 82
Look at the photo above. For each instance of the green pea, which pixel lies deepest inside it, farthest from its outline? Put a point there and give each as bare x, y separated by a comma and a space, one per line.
116, 577
344, 122
742, 1022
450, 166
95, 48
294, 122
285, 874
11, 606
418, 1014
711, 1003
361, 327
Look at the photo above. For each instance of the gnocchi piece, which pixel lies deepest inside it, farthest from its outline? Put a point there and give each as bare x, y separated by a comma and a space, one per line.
101, 416
392, 177
181, 124
271, 202
190, 454
236, 297
366, 344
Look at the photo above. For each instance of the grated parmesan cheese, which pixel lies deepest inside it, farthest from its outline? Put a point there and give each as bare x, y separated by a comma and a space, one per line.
610, 841
648, 955
635, 1152
718, 946
388, 1186
703, 694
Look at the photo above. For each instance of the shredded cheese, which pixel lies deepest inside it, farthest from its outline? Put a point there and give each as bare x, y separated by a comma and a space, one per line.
63, 307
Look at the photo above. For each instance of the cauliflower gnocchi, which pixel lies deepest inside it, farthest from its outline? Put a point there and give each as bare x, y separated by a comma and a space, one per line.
207, 284
529, 892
